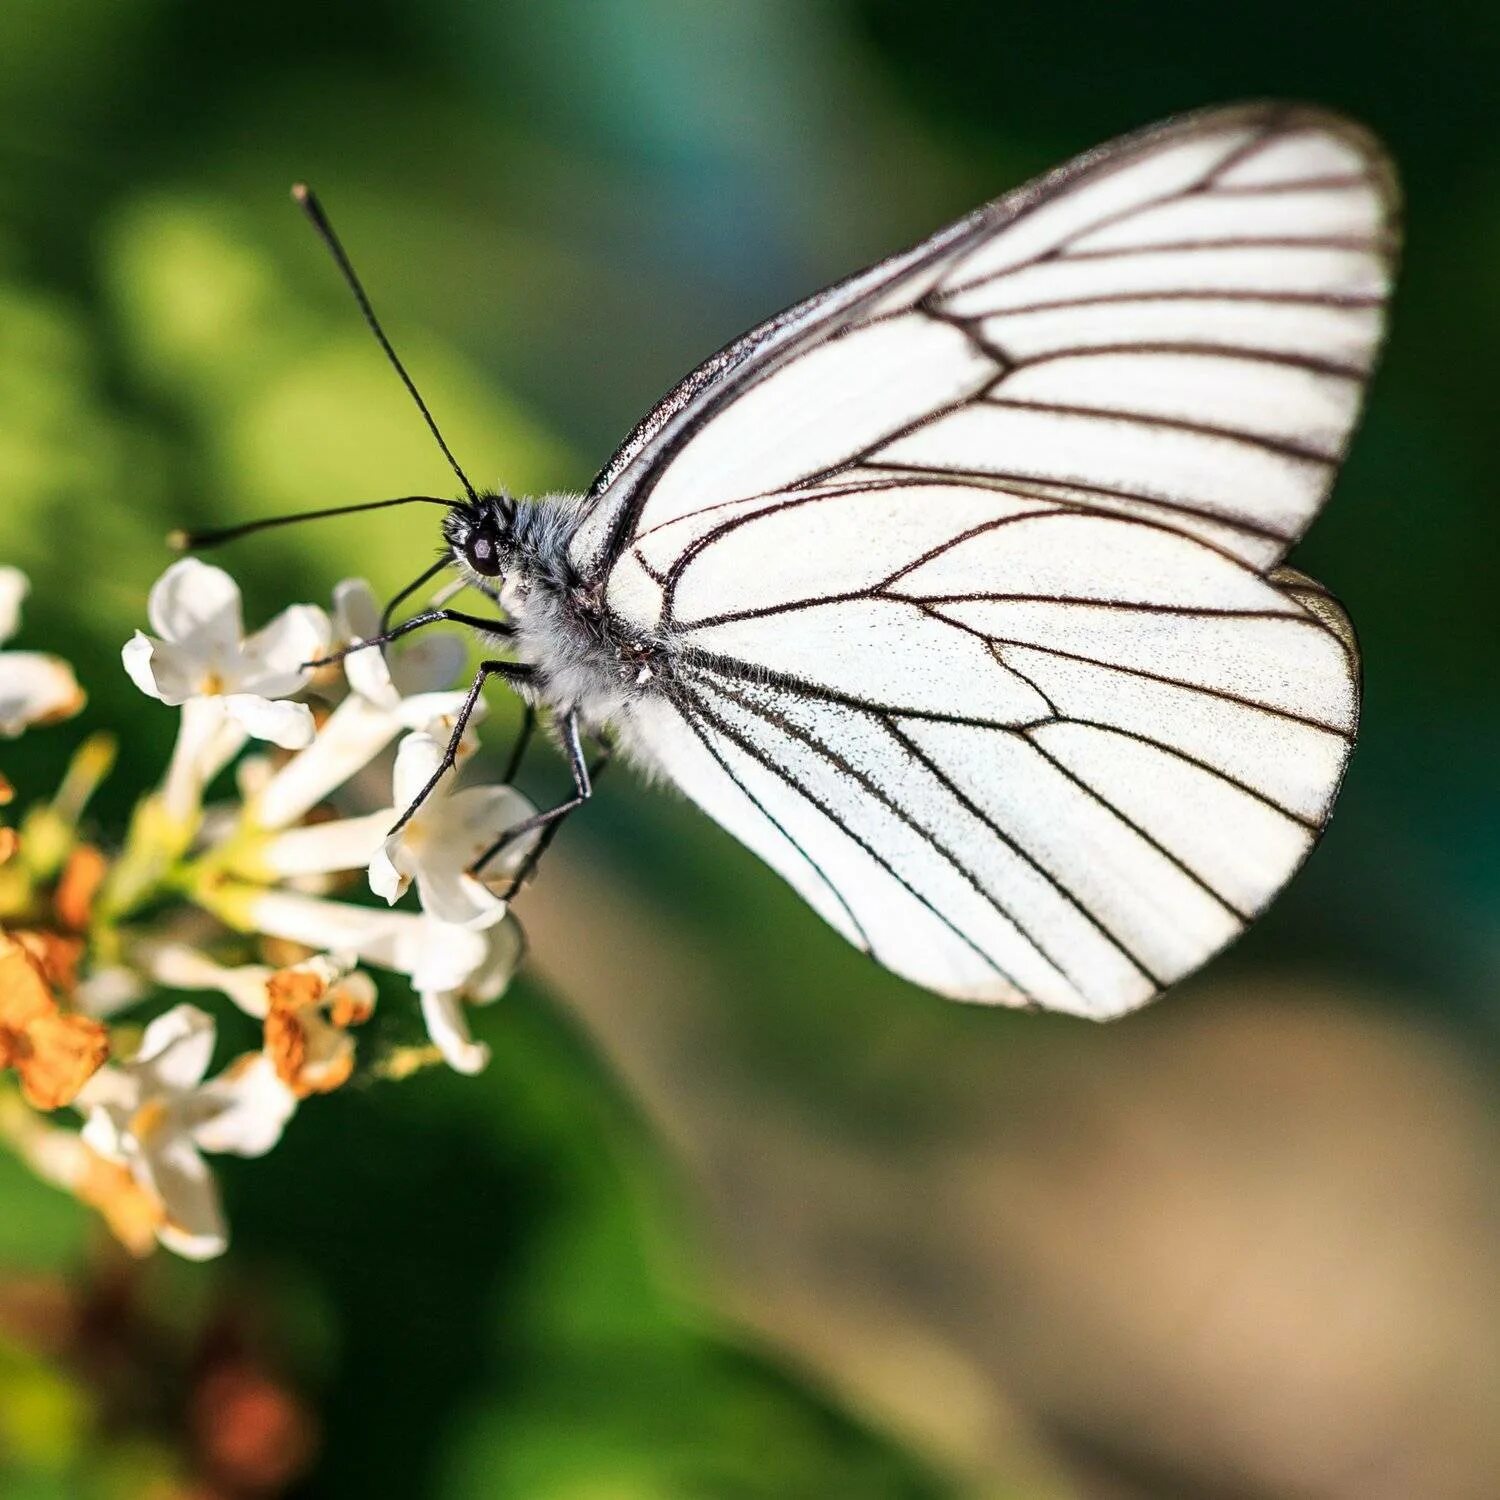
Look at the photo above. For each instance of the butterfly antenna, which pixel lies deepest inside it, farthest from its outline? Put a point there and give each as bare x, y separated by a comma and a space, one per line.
307, 199
199, 541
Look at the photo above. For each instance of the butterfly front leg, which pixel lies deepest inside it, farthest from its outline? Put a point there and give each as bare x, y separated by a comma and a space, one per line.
499, 628
513, 672
552, 819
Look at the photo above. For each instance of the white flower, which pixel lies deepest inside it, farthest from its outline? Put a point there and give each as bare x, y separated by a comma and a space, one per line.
307, 1008
155, 1115
386, 697
449, 966
201, 651
446, 834
35, 688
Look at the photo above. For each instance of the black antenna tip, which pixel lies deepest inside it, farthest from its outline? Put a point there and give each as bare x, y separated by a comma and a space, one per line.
305, 199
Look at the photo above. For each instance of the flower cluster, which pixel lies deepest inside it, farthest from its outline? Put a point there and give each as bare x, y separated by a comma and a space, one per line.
256, 899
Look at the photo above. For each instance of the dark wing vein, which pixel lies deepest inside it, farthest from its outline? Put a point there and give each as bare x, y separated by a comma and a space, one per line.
1226, 242
1060, 886
1279, 446
1087, 487
1199, 349
1332, 183
1192, 687
688, 717
1063, 250
741, 671
1200, 880
735, 736
1189, 760
981, 596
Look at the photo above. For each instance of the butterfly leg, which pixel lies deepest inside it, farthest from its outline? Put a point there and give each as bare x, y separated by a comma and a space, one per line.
388, 613
550, 832
550, 820
512, 672
523, 740
499, 628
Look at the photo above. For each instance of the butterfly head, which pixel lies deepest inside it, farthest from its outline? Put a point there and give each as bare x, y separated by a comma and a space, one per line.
482, 534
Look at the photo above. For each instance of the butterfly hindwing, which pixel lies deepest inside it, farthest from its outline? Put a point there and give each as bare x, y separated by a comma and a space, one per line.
1057, 757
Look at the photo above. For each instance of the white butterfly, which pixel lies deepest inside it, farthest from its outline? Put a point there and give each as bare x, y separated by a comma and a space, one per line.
956, 591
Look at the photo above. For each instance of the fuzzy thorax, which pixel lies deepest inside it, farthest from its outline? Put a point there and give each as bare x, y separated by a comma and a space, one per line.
518, 553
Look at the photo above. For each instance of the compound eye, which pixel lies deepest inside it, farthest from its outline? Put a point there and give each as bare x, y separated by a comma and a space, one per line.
483, 554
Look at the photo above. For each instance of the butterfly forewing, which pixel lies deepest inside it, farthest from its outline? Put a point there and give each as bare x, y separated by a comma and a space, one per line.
965, 566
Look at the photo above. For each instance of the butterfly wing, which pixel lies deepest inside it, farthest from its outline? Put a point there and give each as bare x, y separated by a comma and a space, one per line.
970, 564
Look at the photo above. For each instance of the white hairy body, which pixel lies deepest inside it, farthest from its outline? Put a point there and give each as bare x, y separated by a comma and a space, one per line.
579, 665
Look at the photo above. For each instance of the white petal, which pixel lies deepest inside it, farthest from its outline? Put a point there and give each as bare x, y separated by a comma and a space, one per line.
451, 896
161, 670
34, 688
505, 944
418, 758
205, 1245
448, 1026
321, 848
107, 991
440, 726
289, 725
176, 1047
13, 589
423, 710
471, 820
370, 677
110, 1088
136, 655
356, 615
357, 618
351, 737
251, 1107
435, 956
183, 1181
361, 930
207, 740
438, 956
104, 1132
272, 660
329, 969
387, 879
182, 968
429, 663
197, 605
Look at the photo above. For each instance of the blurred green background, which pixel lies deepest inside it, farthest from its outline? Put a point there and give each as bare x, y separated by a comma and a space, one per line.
732, 1214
